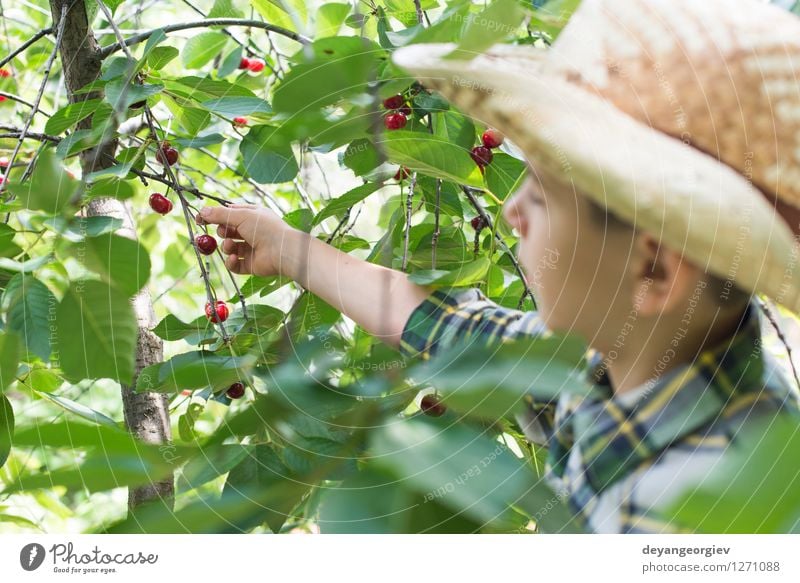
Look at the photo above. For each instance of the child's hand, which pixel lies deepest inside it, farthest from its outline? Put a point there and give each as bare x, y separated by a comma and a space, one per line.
253, 236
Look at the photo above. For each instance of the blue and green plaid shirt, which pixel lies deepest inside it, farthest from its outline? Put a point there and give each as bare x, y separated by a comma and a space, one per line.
616, 459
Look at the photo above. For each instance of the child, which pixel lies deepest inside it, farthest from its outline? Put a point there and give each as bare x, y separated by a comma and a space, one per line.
655, 249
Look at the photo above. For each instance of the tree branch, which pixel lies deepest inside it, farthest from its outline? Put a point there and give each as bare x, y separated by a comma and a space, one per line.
42, 33
111, 49
15, 132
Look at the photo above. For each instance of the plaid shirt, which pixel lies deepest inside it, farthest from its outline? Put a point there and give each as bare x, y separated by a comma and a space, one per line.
618, 458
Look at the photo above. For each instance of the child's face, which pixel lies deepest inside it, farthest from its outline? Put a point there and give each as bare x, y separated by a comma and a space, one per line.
576, 269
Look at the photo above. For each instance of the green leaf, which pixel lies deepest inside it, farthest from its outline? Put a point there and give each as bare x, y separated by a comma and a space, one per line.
492, 382
330, 17
171, 328
121, 94
455, 128
50, 187
7, 246
267, 158
9, 359
121, 262
340, 67
200, 141
97, 333
504, 175
233, 106
224, 9
210, 464
6, 428
274, 13
202, 89
341, 204
499, 20
43, 380
277, 489
78, 409
759, 464
373, 502
161, 56
194, 370
432, 155
470, 273
28, 304
70, 114
203, 47
110, 186
468, 472
361, 157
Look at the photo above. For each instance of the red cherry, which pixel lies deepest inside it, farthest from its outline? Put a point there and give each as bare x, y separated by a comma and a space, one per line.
5, 73
430, 405
235, 391
244, 63
4, 161
160, 203
405, 110
2, 180
256, 65
491, 138
401, 174
167, 154
482, 155
393, 102
206, 244
395, 121
2, 98
478, 223
239, 122
222, 312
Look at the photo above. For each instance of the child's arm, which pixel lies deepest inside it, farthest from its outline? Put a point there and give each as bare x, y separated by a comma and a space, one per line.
257, 241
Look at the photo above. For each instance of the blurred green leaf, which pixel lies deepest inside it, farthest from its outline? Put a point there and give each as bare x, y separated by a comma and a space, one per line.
96, 333
203, 47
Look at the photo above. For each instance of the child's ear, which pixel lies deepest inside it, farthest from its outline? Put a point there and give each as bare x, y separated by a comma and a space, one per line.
663, 280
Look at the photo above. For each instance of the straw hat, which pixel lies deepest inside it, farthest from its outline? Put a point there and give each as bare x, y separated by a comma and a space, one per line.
681, 116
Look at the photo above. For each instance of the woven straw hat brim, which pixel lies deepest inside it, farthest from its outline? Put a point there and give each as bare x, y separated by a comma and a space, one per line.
695, 204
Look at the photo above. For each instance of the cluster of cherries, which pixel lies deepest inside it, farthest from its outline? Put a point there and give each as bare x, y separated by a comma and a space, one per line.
397, 118
482, 154
252, 64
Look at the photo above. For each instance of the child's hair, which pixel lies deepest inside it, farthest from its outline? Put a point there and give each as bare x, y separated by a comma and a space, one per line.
724, 291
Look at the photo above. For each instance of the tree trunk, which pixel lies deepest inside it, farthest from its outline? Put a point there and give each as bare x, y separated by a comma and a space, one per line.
146, 414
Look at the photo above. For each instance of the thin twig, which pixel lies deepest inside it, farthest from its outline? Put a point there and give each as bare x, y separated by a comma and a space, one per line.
436, 229
409, 209
19, 99
771, 317
42, 33
111, 49
476, 205
35, 107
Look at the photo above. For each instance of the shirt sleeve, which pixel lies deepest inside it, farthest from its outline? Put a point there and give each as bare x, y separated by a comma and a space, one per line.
447, 316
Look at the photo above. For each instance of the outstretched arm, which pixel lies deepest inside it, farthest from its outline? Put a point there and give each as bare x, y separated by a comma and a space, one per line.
258, 241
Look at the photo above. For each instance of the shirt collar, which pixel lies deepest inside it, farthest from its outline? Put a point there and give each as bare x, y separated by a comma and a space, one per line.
615, 434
